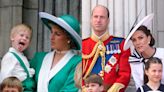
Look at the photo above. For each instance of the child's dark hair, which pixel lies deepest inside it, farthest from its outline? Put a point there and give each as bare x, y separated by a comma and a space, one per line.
12, 82
152, 60
94, 78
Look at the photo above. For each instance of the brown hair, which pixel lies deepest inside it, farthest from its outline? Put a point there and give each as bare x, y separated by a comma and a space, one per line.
12, 82
146, 31
152, 60
21, 27
94, 78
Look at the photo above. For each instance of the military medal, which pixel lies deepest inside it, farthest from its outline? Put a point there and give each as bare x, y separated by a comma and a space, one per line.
115, 49
118, 49
108, 68
111, 49
113, 60
107, 49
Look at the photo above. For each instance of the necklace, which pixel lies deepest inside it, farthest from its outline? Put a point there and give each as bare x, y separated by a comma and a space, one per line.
61, 52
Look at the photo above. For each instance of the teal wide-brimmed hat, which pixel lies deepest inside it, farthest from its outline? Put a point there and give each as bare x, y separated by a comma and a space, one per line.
67, 22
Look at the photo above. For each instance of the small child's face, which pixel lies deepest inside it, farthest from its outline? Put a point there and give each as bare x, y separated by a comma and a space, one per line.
10, 89
21, 40
154, 72
94, 87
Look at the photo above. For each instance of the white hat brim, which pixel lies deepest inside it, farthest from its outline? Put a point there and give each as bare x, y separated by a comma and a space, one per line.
145, 21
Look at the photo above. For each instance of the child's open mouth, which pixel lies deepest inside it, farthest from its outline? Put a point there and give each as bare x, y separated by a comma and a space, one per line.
21, 43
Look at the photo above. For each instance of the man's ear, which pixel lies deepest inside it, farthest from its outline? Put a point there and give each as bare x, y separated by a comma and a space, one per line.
108, 21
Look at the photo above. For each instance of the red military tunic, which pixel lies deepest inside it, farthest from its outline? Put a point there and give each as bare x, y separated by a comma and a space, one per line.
116, 68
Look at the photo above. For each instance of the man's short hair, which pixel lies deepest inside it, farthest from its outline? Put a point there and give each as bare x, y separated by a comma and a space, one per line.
108, 13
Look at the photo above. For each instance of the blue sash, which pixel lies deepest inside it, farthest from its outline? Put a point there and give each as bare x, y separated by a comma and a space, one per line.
113, 46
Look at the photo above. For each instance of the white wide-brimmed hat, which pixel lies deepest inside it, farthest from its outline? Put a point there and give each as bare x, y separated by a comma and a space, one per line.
67, 22
145, 21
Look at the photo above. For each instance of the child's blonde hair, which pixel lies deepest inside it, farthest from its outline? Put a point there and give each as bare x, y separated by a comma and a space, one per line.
78, 75
21, 27
11, 82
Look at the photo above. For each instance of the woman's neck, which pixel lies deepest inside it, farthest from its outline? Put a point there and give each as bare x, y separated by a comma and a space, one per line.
153, 85
58, 55
61, 52
148, 53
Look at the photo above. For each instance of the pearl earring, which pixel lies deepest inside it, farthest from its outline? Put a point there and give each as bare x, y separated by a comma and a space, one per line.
68, 41
148, 42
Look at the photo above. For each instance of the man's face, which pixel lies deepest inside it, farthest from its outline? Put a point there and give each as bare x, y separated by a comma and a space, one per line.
99, 20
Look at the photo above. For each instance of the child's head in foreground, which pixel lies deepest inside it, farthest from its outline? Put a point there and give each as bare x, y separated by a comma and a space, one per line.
20, 36
11, 84
153, 70
94, 83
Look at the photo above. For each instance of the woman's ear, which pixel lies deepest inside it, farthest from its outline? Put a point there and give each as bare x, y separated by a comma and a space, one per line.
149, 39
146, 72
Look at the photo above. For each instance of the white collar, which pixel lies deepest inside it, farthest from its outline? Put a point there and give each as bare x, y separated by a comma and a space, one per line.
12, 49
46, 73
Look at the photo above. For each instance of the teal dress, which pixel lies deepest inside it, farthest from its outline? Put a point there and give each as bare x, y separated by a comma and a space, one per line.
58, 79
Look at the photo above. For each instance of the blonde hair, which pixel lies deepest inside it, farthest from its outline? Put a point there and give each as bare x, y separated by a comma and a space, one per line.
78, 76
21, 27
12, 82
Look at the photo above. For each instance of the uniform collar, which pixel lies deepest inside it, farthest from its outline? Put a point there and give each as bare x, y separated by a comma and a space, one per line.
103, 37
